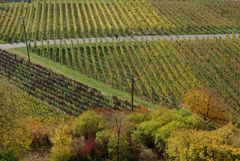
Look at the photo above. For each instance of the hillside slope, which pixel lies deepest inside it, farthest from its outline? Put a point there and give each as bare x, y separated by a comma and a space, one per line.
163, 70
68, 95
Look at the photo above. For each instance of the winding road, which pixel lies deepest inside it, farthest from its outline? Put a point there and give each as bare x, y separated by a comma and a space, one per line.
120, 38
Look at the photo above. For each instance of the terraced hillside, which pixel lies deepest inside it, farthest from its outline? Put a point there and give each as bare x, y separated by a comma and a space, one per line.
51, 19
68, 95
164, 70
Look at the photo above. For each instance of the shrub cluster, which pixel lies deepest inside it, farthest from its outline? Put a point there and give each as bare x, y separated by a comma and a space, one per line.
159, 134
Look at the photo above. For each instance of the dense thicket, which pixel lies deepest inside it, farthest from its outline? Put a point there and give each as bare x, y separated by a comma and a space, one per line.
161, 134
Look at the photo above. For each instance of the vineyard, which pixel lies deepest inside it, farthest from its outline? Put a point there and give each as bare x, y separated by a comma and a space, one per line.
56, 19
119, 80
68, 95
163, 70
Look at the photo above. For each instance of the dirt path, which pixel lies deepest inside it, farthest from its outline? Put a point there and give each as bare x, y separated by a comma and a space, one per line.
120, 38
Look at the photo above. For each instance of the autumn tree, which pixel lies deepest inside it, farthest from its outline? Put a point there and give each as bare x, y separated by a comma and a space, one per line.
206, 104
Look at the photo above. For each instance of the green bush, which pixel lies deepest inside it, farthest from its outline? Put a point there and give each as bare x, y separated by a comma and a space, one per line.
88, 124
145, 132
137, 118
9, 156
62, 149
102, 140
163, 133
122, 150
154, 132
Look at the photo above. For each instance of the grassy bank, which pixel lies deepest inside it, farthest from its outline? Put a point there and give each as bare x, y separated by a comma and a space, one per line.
106, 89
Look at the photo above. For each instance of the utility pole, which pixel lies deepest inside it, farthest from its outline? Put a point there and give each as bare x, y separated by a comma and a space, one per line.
26, 40
133, 81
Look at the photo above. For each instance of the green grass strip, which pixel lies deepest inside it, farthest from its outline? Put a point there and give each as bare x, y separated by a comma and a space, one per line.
106, 89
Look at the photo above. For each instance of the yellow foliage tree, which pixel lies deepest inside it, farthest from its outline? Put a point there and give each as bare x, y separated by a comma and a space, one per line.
220, 144
207, 105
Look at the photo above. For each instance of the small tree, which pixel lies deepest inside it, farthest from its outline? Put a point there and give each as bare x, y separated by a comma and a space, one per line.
207, 105
120, 146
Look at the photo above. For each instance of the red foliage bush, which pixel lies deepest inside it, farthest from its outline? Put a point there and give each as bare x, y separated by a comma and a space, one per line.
87, 147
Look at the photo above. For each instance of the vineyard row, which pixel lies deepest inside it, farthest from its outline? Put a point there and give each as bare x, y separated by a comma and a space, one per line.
51, 19
164, 70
